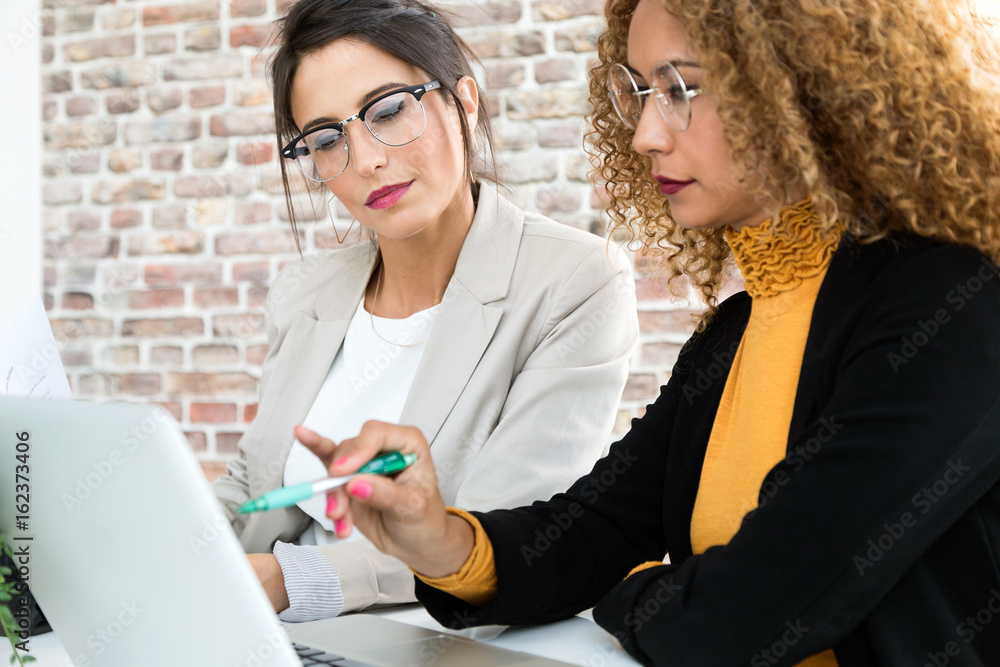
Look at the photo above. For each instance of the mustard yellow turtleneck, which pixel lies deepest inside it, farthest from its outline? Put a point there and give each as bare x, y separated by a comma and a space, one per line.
783, 264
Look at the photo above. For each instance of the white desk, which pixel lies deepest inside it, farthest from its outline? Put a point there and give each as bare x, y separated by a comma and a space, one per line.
576, 640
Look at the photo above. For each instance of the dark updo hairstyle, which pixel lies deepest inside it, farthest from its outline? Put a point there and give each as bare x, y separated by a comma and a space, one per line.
412, 31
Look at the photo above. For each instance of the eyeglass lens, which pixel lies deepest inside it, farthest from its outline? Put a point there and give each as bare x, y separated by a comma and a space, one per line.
667, 87
395, 120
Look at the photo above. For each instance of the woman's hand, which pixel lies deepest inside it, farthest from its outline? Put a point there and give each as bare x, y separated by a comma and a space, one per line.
403, 516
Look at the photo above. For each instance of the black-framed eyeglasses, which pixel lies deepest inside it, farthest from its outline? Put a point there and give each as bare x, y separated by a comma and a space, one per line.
672, 96
395, 118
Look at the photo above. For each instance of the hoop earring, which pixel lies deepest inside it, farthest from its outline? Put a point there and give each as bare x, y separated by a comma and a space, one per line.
330, 213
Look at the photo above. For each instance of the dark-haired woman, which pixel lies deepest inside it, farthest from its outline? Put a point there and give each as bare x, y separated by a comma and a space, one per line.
503, 336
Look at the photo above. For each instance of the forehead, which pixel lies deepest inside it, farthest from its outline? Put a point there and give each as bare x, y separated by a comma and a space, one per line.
332, 81
655, 35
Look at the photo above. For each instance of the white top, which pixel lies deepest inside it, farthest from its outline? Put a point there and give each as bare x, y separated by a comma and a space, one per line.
369, 379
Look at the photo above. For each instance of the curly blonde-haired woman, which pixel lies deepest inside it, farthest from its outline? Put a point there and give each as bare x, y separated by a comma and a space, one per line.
822, 470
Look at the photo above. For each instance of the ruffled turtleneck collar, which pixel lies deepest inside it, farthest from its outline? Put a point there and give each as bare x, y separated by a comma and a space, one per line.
776, 257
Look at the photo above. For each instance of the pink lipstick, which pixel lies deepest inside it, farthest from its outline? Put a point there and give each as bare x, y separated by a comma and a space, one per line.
387, 196
669, 186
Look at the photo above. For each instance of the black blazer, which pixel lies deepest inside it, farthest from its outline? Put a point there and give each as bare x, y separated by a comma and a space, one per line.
877, 535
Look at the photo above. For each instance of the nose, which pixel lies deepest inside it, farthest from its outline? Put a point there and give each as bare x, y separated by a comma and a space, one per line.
367, 152
652, 134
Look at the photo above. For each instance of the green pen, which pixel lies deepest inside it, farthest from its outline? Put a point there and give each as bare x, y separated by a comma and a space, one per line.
286, 496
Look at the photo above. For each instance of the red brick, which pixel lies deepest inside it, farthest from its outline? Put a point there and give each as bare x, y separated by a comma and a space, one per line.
76, 19
80, 135
504, 74
250, 212
215, 297
121, 355
126, 102
561, 135
202, 38
160, 327
77, 301
485, 13
660, 354
254, 92
257, 297
255, 153
213, 413
123, 161
156, 298
250, 35
78, 221
172, 274
241, 123
227, 443
80, 106
167, 355
86, 327
170, 217
125, 218
667, 321
159, 44
57, 82
198, 443
50, 108
264, 242
562, 199
105, 47
118, 19
117, 384
76, 356
214, 355
639, 386
208, 156
582, 39
211, 384
555, 69
242, 326
207, 96
166, 159
552, 10
247, 8
193, 69
256, 353
108, 192
83, 246
164, 99
125, 75
162, 130
212, 469
193, 11
249, 413
254, 272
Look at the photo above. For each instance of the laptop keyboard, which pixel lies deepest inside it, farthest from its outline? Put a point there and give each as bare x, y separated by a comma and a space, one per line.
313, 656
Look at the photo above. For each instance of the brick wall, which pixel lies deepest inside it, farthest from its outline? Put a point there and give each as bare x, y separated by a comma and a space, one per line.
164, 222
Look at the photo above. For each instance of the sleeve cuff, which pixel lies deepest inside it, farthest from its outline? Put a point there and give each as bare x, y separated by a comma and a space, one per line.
476, 581
312, 584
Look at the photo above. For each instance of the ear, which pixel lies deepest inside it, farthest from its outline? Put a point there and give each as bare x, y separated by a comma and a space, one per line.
468, 95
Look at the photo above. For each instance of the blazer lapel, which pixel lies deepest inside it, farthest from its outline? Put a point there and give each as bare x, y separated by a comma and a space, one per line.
468, 316
306, 354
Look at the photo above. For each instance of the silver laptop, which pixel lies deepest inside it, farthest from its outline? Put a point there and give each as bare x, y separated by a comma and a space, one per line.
133, 562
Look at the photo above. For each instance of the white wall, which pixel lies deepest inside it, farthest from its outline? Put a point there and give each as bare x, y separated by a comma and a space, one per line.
20, 155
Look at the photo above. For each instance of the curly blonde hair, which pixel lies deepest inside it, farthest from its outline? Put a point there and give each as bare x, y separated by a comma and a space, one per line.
886, 110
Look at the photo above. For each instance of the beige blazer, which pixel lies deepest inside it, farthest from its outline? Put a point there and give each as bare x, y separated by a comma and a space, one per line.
516, 392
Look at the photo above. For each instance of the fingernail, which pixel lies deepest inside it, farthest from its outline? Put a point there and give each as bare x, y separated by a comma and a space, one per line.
341, 461
338, 526
331, 504
361, 490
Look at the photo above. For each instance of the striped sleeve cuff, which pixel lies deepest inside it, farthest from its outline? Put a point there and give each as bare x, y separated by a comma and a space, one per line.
311, 582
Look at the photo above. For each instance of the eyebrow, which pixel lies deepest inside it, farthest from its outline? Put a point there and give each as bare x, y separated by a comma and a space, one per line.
681, 62
368, 97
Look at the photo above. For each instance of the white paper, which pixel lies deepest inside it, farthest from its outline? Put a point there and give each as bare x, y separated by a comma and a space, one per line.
29, 357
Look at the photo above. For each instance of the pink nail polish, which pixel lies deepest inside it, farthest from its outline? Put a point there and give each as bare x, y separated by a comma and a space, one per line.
341, 461
338, 526
331, 503
361, 490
